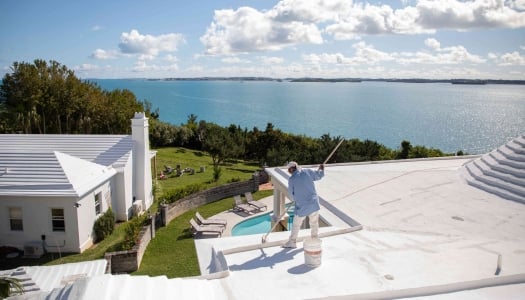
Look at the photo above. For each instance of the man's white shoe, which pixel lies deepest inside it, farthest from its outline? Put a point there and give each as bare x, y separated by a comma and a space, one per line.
290, 244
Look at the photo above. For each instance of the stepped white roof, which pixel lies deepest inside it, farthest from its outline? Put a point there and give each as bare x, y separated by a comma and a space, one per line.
59, 165
38, 279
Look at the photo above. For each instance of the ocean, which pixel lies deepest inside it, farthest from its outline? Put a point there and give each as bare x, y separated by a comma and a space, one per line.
450, 117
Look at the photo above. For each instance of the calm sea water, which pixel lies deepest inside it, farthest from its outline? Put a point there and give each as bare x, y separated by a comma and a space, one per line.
472, 118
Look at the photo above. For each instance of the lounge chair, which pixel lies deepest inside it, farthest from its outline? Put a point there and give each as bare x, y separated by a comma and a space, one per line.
202, 221
245, 207
168, 169
200, 229
250, 201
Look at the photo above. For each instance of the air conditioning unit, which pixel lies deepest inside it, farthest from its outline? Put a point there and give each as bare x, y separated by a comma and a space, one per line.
33, 249
138, 208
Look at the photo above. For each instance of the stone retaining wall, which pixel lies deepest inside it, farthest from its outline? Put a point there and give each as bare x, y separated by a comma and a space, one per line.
129, 261
170, 211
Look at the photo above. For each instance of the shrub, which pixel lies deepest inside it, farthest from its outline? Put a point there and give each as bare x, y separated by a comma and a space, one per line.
216, 173
176, 194
10, 286
132, 231
234, 179
104, 225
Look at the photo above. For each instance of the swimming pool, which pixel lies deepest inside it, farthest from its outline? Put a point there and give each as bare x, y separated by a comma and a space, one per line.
256, 225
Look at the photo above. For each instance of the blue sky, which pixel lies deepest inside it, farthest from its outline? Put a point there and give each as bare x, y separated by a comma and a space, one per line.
439, 39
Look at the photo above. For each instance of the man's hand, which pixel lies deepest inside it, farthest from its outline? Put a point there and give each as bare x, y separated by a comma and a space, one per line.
321, 167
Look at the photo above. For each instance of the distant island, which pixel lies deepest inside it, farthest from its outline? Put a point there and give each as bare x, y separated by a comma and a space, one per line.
349, 80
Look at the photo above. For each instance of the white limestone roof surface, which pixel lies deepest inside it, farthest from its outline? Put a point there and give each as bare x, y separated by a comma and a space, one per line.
45, 279
50, 277
59, 165
102, 149
424, 229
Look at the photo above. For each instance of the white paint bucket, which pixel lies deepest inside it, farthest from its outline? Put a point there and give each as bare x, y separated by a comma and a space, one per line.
312, 252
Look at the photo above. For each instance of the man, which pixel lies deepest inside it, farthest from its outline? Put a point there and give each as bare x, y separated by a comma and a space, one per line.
301, 189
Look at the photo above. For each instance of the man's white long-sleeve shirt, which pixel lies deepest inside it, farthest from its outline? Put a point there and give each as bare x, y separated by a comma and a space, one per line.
301, 189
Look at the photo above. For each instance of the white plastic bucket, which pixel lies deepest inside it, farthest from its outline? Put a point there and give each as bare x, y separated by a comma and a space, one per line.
312, 252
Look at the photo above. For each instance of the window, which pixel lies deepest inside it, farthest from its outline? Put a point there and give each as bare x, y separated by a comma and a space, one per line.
98, 199
57, 219
15, 219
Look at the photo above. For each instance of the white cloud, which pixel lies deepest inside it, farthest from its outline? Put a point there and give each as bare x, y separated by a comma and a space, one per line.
269, 61
454, 14
432, 44
234, 60
145, 57
458, 55
512, 59
370, 20
492, 56
170, 58
247, 30
142, 67
292, 22
136, 43
311, 11
367, 55
364, 55
196, 69
86, 67
103, 54
96, 28
517, 4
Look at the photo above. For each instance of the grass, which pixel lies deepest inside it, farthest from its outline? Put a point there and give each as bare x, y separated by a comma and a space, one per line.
231, 171
172, 252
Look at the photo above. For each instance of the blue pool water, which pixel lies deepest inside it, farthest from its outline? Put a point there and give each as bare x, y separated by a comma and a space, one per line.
256, 225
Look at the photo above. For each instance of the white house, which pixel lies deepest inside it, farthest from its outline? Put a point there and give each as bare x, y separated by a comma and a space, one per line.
54, 187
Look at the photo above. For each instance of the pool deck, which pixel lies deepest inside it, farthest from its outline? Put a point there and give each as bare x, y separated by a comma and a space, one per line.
234, 217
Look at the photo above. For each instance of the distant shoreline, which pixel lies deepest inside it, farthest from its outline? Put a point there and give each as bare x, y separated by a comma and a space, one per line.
348, 80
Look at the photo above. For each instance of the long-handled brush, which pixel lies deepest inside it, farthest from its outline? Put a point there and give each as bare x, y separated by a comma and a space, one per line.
263, 240
333, 151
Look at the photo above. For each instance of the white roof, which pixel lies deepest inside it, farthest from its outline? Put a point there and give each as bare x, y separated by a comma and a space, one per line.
37, 280
59, 165
414, 228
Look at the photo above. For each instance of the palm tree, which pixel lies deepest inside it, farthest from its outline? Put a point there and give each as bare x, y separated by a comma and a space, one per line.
10, 286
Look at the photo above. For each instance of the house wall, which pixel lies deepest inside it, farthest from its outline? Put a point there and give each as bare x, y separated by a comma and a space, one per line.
36, 218
142, 188
122, 192
86, 214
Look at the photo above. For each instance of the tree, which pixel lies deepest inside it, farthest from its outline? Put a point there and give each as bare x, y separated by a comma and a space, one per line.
9, 283
405, 150
48, 98
220, 143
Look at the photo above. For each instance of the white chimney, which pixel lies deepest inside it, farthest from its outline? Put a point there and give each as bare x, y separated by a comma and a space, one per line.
142, 185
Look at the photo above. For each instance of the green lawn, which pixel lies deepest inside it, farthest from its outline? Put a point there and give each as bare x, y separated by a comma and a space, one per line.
231, 170
172, 252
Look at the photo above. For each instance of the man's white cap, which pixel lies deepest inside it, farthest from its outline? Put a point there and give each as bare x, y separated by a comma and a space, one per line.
292, 164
